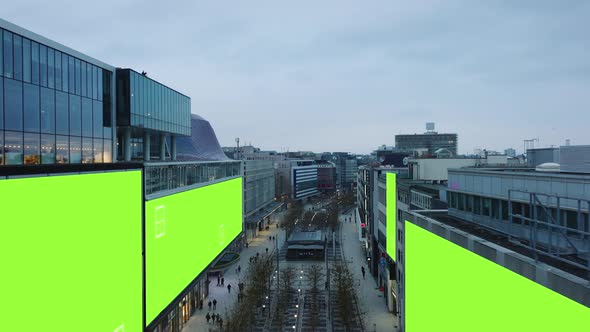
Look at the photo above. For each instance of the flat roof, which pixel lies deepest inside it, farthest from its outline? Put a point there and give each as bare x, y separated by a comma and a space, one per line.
520, 171
305, 237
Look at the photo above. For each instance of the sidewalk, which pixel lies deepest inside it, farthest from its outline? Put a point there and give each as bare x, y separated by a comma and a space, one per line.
370, 298
225, 300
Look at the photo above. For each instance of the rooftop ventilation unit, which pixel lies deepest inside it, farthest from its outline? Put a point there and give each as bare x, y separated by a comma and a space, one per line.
547, 167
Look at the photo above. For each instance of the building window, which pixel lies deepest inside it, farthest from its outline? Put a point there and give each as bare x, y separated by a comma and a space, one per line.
78, 74
34, 63
13, 148
43, 64
505, 210
7, 53
495, 209
86, 117
1, 145
31, 107
461, 198
47, 111
18, 57
97, 123
64, 73
62, 149
83, 79
97, 149
47, 149
13, 105
75, 117
62, 114
75, 150
1, 99
486, 206
87, 151
32, 148
477, 205
26, 60
58, 71
71, 75
50, 68
470, 203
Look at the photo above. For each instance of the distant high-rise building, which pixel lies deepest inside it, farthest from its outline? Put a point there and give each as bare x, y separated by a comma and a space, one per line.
429, 142
510, 152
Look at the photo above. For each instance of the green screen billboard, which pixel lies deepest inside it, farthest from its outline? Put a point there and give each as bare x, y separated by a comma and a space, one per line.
449, 288
391, 214
70, 253
184, 233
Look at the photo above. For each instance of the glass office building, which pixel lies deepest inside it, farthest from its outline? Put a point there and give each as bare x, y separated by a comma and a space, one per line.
150, 116
55, 103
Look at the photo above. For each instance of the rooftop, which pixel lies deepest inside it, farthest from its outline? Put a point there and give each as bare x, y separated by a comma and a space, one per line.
502, 240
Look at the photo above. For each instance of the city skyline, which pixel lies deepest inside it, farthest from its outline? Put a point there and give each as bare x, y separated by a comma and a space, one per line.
340, 76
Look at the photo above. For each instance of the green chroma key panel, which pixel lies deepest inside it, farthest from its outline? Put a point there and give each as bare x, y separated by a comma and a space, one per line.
184, 234
449, 288
71, 252
391, 214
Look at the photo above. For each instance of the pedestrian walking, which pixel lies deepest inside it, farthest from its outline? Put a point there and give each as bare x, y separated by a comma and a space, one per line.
214, 318
201, 304
222, 281
246, 244
218, 279
363, 271
208, 317
229, 288
220, 322
239, 268
269, 237
209, 304
266, 250
214, 304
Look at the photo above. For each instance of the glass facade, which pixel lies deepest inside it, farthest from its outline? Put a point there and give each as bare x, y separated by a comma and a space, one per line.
164, 176
53, 106
145, 103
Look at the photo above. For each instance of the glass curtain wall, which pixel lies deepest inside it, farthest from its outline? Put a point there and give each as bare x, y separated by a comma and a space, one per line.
53, 106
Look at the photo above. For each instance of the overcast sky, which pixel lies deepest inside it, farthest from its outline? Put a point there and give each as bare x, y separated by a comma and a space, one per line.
348, 75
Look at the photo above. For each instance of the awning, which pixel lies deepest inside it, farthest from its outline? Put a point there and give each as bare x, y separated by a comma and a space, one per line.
265, 212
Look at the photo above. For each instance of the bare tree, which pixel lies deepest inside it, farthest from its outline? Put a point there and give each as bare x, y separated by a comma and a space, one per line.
315, 273
242, 314
346, 297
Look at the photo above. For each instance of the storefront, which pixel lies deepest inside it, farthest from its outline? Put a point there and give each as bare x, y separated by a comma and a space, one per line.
180, 313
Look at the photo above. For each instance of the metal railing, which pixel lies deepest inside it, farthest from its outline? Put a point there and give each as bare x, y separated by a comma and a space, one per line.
168, 176
548, 232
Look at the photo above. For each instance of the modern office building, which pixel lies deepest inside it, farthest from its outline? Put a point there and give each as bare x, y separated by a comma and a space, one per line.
427, 143
297, 178
304, 179
142, 268
326, 175
389, 156
56, 104
510, 152
346, 167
